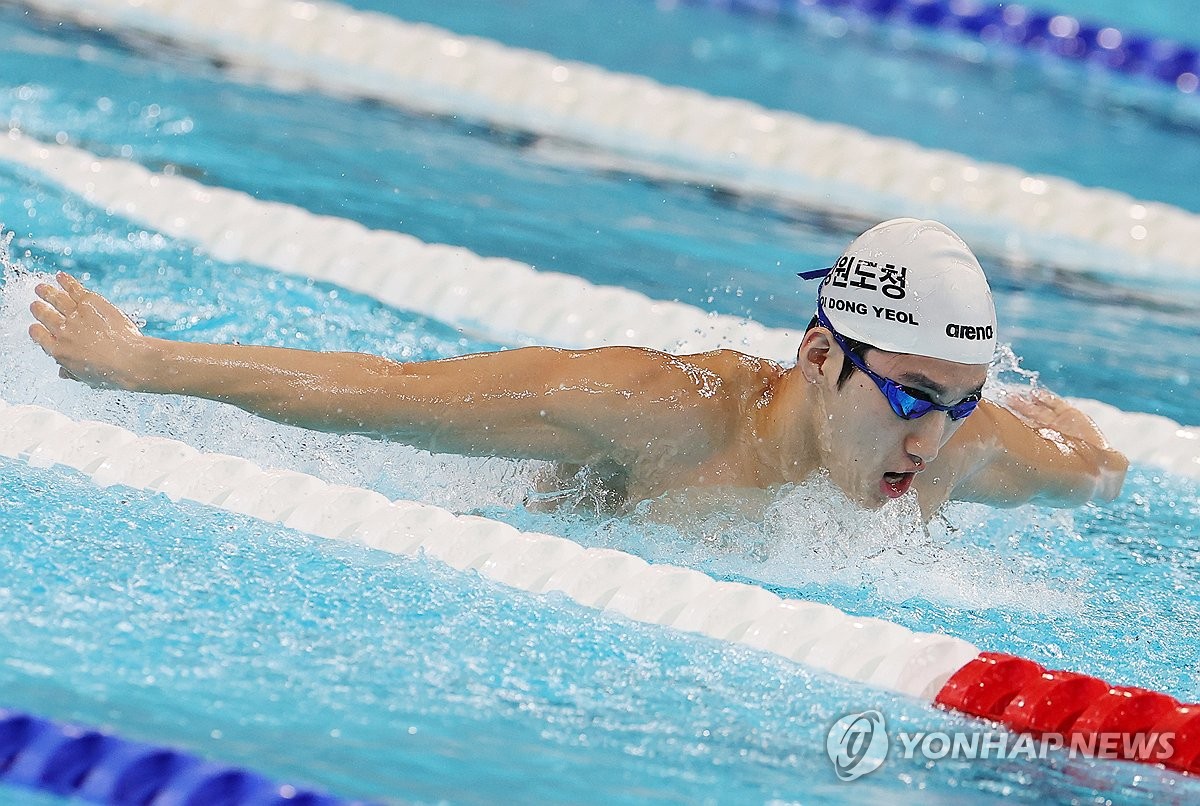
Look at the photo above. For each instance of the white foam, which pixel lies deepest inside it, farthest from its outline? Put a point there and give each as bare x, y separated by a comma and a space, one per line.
812, 534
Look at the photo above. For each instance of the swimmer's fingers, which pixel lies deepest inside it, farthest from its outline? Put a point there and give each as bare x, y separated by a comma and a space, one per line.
50, 321
1021, 404
1049, 399
72, 286
41, 336
48, 316
55, 296
1047, 410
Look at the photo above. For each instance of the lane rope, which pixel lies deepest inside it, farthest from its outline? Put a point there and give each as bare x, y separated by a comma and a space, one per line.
99, 767
509, 300
864, 649
1155, 58
934, 667
733, 143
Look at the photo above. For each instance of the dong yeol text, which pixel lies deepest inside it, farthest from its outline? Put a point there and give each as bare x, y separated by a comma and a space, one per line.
862, 309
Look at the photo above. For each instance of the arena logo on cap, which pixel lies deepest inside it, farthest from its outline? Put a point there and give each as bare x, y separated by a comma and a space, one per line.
972, 332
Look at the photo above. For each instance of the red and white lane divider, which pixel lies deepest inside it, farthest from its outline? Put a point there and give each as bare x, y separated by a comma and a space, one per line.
930, 666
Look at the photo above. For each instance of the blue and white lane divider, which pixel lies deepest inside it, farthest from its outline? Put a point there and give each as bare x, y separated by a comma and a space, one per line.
508, 300
729, 142
97, 767
1159, 59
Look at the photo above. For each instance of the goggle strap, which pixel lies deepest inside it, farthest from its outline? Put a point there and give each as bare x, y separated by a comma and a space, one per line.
813, 274
905, 405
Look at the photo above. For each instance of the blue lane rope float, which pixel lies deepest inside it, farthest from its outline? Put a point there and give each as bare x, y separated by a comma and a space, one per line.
72, 761
1160, 59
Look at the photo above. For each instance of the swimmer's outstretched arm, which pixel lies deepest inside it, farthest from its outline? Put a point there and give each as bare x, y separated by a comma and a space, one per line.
1048, 453
613, 403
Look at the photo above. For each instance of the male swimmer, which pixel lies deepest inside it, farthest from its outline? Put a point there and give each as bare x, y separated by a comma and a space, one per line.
884, 395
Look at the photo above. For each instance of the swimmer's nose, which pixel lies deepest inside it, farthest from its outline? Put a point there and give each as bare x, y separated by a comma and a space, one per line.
926, 438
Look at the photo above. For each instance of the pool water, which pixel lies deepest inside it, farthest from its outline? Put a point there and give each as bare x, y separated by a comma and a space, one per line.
398, 676
498, 193
1040, 114
394, 677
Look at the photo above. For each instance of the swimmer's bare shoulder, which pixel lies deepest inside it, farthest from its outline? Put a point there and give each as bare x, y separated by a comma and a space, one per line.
718, 396
670, 417
686, 408
647, 421
637, 406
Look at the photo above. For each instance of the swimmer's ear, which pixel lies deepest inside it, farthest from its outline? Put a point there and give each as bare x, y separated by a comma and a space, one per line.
814, 351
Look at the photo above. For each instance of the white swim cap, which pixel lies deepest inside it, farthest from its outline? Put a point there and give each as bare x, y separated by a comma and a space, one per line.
909, 286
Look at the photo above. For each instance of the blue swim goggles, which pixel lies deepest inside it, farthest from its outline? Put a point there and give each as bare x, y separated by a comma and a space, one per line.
909, 404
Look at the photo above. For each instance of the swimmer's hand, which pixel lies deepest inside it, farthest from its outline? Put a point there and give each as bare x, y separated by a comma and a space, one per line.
89, 337
1058, 421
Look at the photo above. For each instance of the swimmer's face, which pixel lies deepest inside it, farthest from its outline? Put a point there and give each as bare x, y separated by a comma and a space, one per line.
870, 452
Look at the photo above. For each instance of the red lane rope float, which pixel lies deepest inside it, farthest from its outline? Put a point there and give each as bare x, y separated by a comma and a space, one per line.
1184, 722
1052, 702
1085, 713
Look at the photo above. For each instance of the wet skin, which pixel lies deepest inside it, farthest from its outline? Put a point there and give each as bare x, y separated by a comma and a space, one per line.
653, 422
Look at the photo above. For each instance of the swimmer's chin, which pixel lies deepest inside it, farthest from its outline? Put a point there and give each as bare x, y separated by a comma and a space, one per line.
879, 496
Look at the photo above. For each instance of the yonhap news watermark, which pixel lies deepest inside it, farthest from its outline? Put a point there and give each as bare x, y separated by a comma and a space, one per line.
859, 743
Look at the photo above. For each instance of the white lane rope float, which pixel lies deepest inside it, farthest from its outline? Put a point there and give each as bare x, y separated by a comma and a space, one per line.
507, 299
740, 145
863, 649
933, 667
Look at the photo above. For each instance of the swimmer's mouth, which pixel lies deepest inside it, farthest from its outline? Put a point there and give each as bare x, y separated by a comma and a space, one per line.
895, 485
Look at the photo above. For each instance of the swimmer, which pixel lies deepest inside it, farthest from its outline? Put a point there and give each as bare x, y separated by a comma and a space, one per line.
885, 394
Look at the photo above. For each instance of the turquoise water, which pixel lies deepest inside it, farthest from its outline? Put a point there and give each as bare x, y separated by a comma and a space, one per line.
1041, 114
395, 677
501, 193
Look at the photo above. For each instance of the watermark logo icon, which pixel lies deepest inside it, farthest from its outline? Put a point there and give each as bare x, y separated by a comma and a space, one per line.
857, 744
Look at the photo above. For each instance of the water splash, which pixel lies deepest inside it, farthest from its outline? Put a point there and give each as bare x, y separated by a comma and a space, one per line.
398, 471
801, 536
807, 539
1008, 381
9, 268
